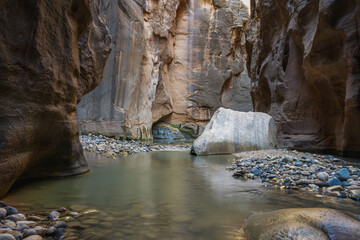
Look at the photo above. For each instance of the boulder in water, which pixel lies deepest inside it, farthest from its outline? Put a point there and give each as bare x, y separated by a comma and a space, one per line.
231, 131
303, 223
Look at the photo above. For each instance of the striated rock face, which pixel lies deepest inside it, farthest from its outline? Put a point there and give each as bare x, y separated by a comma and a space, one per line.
52, 52
172, 61
303, 223
303, 59
232, 131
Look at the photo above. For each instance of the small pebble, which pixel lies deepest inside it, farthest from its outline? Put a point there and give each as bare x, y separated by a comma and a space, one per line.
54, 215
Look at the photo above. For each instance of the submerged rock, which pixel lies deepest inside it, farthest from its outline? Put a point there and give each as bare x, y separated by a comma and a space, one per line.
232, 131
307, 223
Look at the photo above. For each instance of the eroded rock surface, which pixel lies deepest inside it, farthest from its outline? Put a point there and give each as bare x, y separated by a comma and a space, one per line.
52, 52
232, 131
172, 61
307, 223
303, 59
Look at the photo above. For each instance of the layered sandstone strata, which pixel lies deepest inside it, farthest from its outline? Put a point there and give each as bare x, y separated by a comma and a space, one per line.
52, 52
304, 60
172, 61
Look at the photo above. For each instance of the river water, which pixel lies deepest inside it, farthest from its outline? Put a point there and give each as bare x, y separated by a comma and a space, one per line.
162, 195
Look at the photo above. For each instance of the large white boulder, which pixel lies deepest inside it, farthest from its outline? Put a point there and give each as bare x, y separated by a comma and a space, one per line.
231, 131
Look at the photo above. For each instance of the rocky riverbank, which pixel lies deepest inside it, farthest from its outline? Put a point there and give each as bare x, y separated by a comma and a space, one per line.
112, 147
325, 175
72, 223
44, 225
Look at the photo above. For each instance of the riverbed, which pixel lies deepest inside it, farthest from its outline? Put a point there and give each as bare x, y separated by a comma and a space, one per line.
161, 195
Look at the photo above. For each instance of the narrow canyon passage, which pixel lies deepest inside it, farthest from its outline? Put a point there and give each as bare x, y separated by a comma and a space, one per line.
179, 119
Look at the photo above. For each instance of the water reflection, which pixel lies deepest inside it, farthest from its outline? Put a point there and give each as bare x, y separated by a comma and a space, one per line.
163, 195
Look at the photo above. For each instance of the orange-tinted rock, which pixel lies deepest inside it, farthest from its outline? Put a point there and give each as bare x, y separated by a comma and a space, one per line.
304, 58
50, 56
172, 61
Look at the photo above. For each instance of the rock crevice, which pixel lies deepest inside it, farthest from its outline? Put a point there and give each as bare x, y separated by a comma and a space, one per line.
303, 62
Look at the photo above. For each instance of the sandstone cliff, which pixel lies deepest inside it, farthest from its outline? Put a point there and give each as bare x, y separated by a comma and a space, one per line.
172, 61
304, 60
42, 44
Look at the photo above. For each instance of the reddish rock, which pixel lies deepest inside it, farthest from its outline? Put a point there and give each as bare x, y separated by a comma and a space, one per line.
52, 52
304, 62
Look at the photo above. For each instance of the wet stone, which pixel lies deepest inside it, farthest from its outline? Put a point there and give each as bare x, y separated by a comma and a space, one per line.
334, 182
60, 225
10, 210
34, 237
256, 171
7, 236
50, 231
4, 230
29, 232
18, 235
54, 215
40, 231
73, 214
59, 232
27, 223
22, 228
10, 224
343, 174
16, 217
2, 213
323, 176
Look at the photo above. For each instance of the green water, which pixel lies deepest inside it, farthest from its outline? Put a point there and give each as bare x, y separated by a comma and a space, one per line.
162, 195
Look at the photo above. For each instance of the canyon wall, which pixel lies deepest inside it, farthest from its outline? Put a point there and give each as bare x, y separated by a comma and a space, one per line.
304, 62
52, 52
172, 61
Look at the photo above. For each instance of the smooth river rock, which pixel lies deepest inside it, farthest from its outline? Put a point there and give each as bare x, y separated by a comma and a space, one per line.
232, 131
307, 223
7, 237
52, 53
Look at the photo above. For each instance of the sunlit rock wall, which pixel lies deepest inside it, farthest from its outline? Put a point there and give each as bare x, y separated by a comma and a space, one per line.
172, 61
304, 61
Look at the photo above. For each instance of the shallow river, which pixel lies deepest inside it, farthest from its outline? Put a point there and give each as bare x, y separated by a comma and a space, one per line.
162, 195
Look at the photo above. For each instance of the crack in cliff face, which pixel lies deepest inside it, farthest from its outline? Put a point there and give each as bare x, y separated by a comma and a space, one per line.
301, 68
